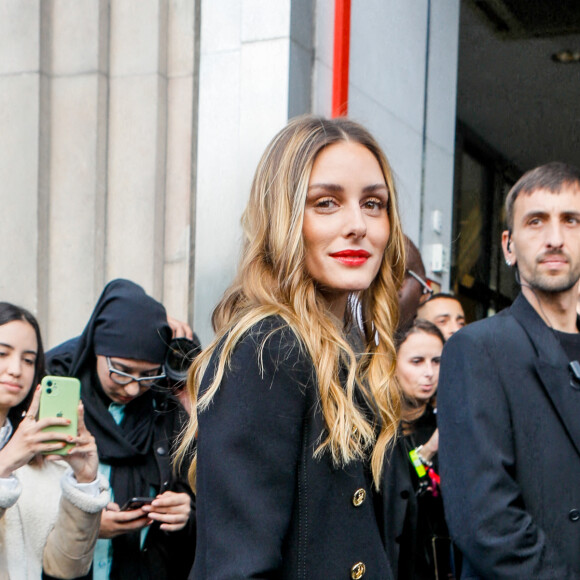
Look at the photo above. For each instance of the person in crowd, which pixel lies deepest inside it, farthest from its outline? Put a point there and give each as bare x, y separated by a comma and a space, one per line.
415, 289
291, 426
445, 312
119, 359
50, 505
412, 476
509, 399
180, 355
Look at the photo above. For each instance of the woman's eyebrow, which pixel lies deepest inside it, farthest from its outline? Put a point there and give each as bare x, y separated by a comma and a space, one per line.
327, 186
6, 345
376, 187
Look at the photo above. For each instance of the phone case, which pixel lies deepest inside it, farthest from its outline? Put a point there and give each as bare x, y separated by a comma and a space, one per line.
60, 397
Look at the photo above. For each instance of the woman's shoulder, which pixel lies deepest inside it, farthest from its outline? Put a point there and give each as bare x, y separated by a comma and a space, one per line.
272, 331
268, 335
268, 346
274, 338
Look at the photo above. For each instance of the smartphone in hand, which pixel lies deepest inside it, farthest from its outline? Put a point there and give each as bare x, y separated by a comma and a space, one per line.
59, 397
135, 503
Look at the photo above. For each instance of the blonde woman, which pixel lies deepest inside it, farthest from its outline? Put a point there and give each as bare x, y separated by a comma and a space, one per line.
291, 424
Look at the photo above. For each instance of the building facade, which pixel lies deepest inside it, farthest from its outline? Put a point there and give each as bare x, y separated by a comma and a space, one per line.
132, 128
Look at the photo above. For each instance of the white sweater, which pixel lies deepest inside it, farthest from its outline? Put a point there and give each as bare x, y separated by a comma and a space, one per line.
31, 509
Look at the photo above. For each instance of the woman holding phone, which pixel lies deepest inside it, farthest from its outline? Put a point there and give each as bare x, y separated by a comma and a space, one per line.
291, 423
119, 359
49, 511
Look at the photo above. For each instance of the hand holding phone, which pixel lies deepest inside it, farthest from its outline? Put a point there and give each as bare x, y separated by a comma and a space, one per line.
171, 509
83, 457
30, 439
115, 522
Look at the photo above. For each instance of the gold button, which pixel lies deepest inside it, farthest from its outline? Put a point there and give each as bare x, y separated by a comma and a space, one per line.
357, 571
359, 497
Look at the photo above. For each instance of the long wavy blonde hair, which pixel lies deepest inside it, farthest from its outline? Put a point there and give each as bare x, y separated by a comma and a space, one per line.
272, 280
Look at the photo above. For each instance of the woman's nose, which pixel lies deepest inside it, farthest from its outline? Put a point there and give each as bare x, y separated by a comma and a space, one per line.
132, 389
356, 224
15, 366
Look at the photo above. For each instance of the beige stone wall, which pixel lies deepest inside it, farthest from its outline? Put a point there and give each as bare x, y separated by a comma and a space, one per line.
130, 131
98, 110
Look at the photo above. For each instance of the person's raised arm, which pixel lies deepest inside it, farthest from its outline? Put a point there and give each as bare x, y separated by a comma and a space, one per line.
70, 545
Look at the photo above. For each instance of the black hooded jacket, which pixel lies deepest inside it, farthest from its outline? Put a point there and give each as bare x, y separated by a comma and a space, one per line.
129, 324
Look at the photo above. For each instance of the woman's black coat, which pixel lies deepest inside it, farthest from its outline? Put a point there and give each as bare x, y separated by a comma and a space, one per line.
266, 507
414, 517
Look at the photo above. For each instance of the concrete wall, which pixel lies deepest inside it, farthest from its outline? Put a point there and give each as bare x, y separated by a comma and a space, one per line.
97, 139
131, 130
255, 69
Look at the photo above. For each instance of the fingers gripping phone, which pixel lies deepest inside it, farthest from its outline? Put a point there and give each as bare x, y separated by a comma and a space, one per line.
59, 397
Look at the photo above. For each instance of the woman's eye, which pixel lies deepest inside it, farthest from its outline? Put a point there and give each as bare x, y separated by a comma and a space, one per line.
325, 203
374, 205
29, 361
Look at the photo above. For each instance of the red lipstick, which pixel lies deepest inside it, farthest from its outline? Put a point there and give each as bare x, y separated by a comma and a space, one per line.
351, 257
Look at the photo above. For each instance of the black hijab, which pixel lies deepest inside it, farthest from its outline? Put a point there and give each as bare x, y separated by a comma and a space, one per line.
125, 323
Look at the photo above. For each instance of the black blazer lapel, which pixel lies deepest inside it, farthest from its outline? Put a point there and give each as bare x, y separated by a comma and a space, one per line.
552, 367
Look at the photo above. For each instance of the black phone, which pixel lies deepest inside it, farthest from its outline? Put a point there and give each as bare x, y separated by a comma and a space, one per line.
135, 503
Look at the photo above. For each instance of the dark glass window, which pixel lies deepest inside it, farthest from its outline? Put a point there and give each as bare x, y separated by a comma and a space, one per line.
479, 275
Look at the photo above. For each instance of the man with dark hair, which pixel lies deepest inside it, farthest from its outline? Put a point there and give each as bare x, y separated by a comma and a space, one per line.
509, 399
445, 312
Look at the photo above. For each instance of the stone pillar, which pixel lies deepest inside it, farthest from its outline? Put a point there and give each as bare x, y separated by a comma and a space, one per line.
255, 70
137, 142
19, 146
182, 98
99, 109
72, 186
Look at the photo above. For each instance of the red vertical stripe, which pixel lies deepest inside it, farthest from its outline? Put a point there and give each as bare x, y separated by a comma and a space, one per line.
341, 58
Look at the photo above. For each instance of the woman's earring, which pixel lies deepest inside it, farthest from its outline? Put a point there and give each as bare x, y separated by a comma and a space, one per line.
508, 263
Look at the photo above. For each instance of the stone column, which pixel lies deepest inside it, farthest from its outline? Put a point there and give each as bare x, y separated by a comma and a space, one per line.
73, 104
255, 69
19, 147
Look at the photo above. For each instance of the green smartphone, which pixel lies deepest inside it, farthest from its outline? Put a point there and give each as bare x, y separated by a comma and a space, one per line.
59, 397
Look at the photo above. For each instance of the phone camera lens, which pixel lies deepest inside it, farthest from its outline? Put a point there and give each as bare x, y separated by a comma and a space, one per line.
48, 391
49, 383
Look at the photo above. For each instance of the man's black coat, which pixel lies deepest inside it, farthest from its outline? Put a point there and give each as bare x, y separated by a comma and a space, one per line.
509, 421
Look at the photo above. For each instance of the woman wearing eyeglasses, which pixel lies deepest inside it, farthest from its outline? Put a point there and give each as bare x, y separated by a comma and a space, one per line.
119, 360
